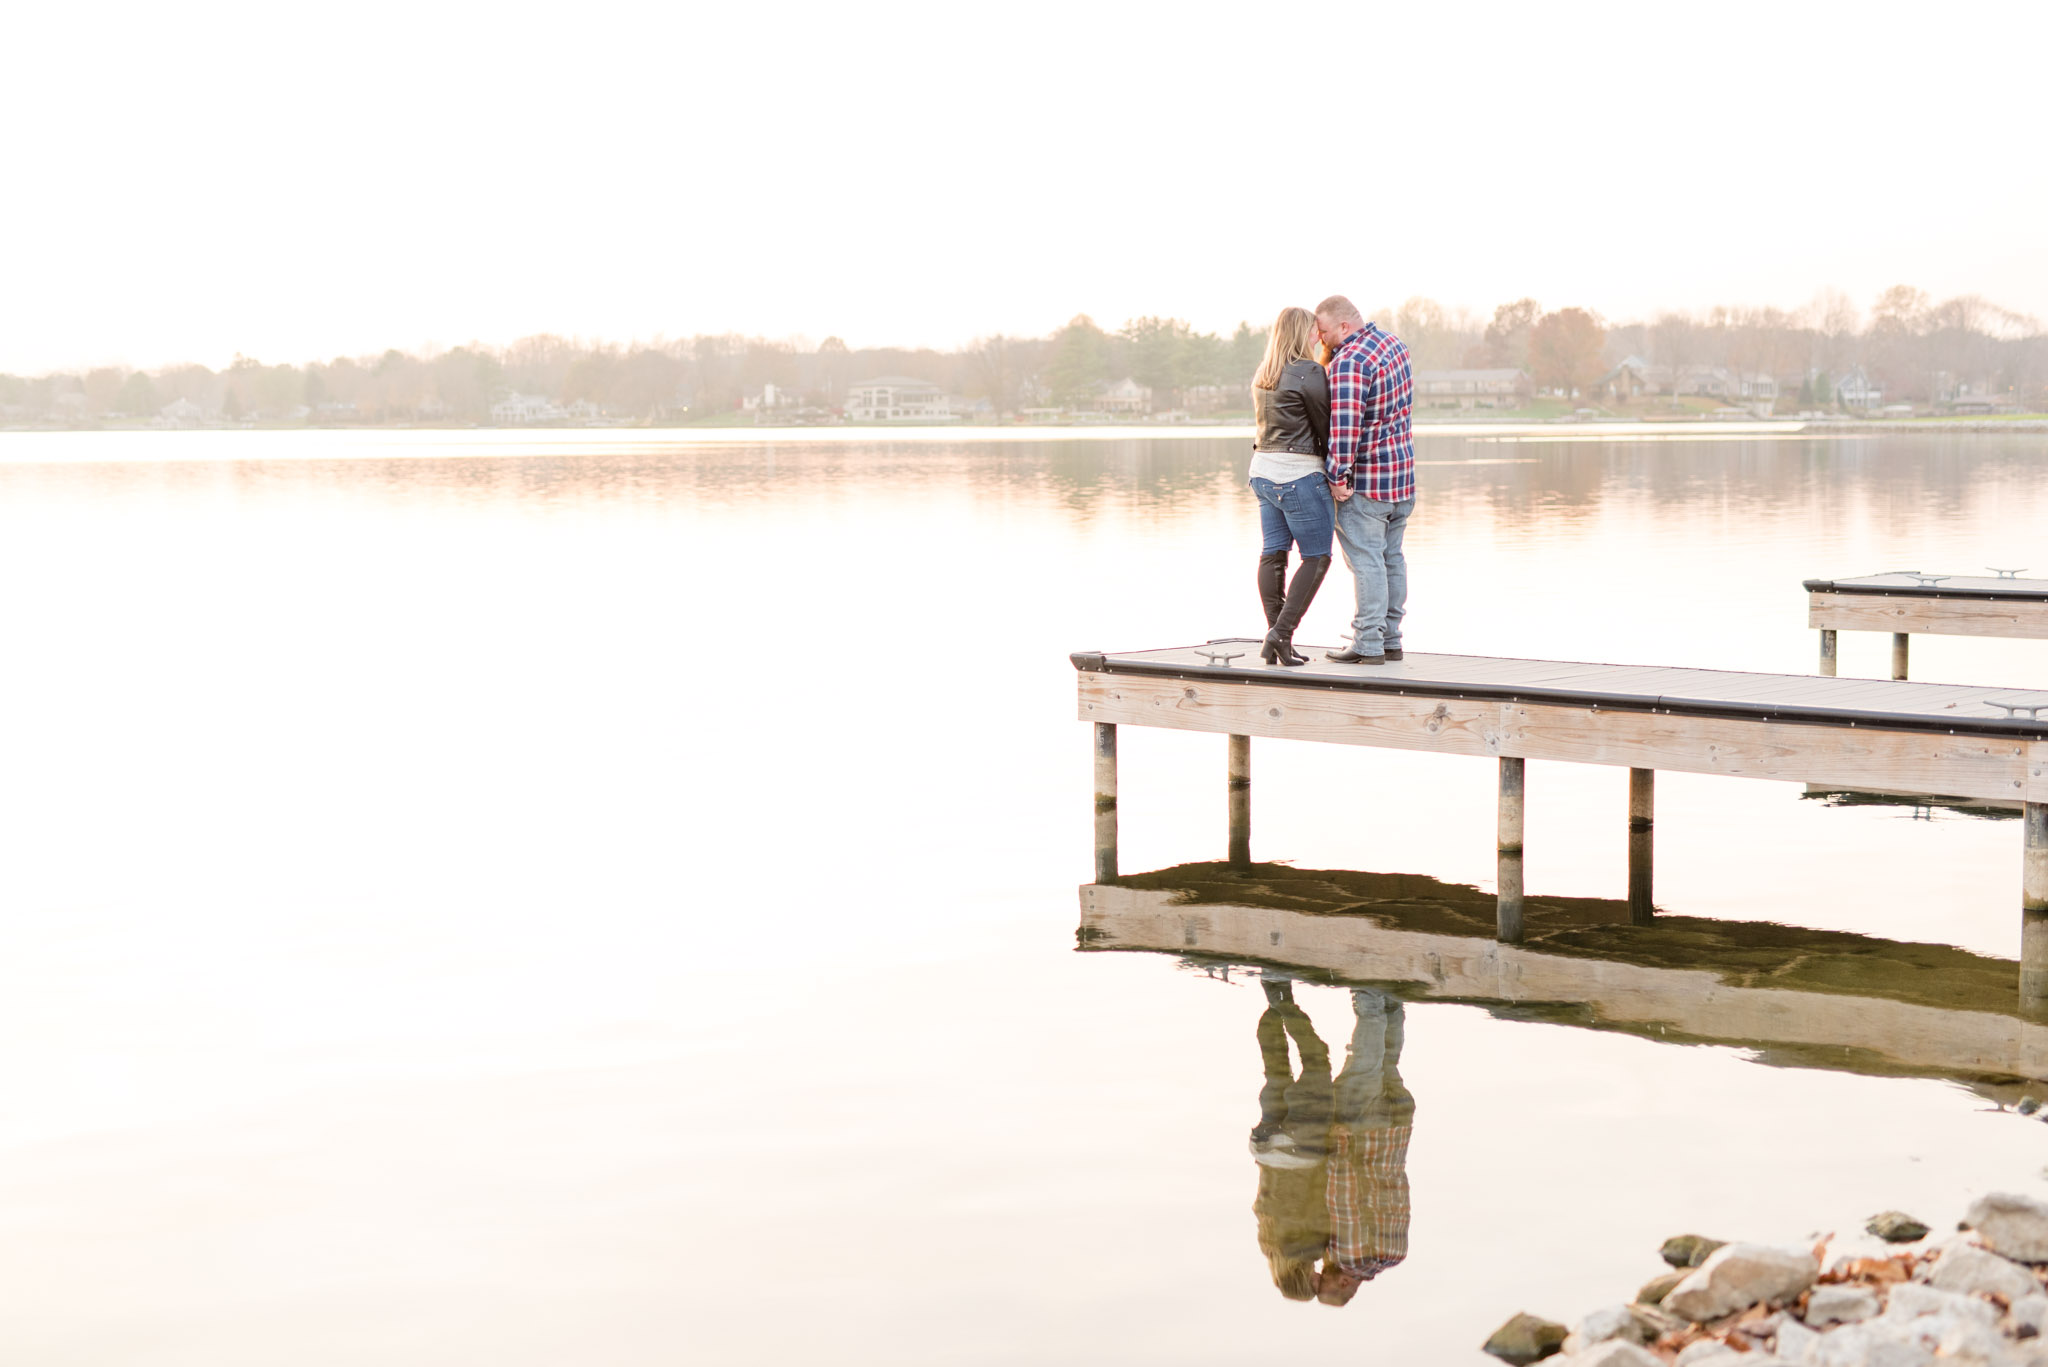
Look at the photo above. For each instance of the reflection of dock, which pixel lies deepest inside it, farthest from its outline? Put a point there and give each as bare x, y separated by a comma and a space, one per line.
1799, 997
1981, 744
1999, 604
1922, 805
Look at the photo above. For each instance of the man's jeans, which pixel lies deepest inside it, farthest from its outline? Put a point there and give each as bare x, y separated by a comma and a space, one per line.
1371, 534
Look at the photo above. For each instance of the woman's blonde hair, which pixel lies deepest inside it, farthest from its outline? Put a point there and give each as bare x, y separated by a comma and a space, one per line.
1291, 339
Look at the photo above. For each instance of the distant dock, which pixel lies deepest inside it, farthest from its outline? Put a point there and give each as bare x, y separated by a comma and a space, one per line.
1989, 744
1906, 601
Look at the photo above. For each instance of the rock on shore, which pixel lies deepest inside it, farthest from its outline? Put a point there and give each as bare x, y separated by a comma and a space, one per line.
2016, 1226
1980, 1299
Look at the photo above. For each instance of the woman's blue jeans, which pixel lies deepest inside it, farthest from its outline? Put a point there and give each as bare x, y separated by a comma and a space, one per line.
1300, 511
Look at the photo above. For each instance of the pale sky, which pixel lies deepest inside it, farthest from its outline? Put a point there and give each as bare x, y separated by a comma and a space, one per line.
183, 182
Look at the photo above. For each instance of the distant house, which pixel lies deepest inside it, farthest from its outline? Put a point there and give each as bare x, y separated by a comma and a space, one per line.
1708, 381
769, 396
892, 398
1469, 388
1124, 396
1856, 390
1207, 398
180, 413
584, 411
1631, 378
523, 410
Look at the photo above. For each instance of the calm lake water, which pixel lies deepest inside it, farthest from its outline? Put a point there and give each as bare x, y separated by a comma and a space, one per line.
613, 899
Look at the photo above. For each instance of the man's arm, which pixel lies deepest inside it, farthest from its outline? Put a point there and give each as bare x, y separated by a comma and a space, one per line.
1346, 409
1373, 401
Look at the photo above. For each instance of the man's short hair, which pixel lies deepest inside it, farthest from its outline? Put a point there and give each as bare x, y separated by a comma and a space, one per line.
1339, 308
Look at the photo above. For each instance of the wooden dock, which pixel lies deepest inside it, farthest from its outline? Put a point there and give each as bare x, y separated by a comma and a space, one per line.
1906, 601
1798, 997
1980, 743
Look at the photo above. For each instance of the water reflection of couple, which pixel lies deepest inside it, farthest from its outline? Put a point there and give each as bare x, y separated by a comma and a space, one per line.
1332, 1153
1334, 456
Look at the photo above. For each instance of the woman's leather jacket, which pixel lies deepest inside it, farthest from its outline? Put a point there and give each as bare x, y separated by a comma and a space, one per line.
1295, 416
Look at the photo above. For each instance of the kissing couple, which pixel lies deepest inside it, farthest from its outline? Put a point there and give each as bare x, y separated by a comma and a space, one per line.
1334, 457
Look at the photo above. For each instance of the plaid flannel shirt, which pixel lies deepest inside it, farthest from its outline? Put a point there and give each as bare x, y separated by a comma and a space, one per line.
1368, 1197
1372, 397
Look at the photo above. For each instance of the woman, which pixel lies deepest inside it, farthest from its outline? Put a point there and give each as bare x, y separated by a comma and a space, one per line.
1291, 403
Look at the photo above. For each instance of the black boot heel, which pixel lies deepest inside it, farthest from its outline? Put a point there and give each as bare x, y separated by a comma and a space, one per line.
1279, 650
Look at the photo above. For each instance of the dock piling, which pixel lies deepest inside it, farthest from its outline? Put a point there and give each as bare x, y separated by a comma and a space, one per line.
1827, 653
1642, 840
1105, 802
1508, 906
1240, 801
1899, 639
2034, 910
2034, 884
1511, 782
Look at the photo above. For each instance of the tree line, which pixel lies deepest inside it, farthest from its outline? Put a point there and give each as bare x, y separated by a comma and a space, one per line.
1916, 348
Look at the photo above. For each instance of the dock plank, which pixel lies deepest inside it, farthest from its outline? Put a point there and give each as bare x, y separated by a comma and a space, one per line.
1594, 684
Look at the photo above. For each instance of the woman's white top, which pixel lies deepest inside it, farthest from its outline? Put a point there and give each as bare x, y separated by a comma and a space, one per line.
1284, 467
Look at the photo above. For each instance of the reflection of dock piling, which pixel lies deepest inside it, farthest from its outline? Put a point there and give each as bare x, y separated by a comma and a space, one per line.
1998, 604
1984, 744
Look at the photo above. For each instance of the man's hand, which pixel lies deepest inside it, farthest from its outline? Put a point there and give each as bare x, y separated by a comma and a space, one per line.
1341, 492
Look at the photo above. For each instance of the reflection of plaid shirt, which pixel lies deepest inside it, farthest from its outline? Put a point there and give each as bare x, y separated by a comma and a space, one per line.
1372, 397
1368, 1197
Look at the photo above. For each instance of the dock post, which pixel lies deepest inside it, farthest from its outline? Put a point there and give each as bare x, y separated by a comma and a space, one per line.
1240, 801
1642, 841
1899, 654
1827, 653
2034, 911
1105, 802
1508, 903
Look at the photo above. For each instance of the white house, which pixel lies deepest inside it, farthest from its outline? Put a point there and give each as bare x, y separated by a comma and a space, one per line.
769, 396
893, 398
180, 413
1124, 396
1469, 388
520, 410
1857, 390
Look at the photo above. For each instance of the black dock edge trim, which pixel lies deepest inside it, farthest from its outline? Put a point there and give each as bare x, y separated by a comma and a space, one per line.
1087, 661
2014, 728
1927, 591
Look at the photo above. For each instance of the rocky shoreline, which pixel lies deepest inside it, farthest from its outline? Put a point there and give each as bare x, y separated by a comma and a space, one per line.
1979, 1298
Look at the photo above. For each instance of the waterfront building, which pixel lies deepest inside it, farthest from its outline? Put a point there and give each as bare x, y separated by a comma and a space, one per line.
893, 398
1470, 388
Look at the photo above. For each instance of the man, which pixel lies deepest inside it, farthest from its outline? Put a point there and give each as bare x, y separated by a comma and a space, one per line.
1372, 472
1367, 1185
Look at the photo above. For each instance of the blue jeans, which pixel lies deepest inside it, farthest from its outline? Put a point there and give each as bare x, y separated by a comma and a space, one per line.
1371, 533
1300, 511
